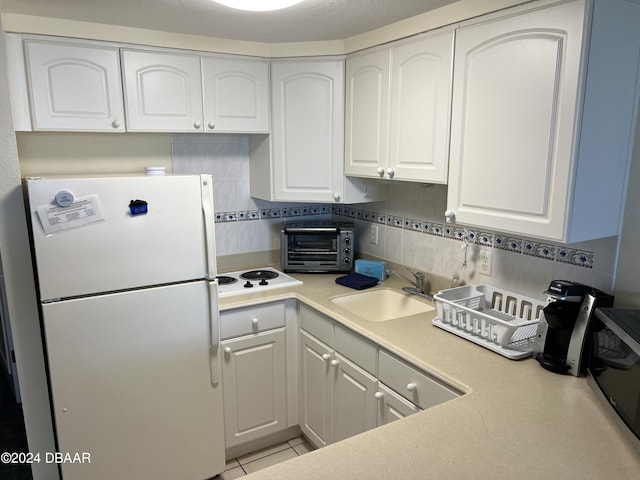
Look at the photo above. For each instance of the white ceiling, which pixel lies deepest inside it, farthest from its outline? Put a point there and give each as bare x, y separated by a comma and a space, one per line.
311, 20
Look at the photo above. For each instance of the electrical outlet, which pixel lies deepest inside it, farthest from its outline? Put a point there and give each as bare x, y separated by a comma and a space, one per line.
485, 261
374, 234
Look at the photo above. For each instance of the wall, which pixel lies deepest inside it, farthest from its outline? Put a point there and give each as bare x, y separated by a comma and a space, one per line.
243, 224
410, 226
20, 290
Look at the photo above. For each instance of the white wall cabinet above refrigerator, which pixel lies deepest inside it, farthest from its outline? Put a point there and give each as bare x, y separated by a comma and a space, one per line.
398, 110
303, 159
74, 85
236, 95
163, 91
543, 116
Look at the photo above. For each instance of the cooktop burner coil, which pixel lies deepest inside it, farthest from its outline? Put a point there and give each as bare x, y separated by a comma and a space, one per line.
259, 275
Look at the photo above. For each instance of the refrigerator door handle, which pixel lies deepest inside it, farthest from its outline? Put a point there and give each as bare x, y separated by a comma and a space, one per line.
214, 328
206, 185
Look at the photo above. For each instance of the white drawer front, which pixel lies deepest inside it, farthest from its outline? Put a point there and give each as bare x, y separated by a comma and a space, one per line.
316, 324
357, 349
411, 383
243, 321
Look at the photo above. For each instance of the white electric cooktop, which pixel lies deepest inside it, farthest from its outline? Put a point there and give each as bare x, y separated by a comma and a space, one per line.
249, 281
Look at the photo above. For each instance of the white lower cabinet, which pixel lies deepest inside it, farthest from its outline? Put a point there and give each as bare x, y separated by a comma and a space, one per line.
354, 401
254, 386
391, 406
286, 367
259, 384
337, 398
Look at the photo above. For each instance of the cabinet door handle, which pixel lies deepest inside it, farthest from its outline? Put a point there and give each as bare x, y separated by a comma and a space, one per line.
380, 171
450, 215
115, 124
378, 395
412, 387
254, 322
197, 124
326, 357
391, 172
334, 363
227, 350
211, 125
336, 197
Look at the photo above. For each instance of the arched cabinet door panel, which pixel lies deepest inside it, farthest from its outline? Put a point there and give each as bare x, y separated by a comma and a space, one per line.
236, 95
163, 92
74, 86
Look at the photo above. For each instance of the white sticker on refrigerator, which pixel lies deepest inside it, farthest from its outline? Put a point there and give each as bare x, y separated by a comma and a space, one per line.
82, 211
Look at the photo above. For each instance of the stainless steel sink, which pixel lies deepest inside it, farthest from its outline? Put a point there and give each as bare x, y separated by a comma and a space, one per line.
382, 305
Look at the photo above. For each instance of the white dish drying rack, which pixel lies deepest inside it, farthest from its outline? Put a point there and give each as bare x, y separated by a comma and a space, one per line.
499, 320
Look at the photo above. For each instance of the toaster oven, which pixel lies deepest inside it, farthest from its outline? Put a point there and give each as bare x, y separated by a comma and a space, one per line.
317, 246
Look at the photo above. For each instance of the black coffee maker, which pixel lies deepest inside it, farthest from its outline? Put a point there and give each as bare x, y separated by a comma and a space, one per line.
561, 343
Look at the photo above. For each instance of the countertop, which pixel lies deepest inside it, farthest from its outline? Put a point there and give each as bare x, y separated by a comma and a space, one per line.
516, 420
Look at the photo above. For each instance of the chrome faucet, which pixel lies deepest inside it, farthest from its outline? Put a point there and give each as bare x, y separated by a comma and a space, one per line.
418, 283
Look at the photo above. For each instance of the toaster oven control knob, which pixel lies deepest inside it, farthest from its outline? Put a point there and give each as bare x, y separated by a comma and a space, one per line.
347, 251
347, 241
380, 171
347, 261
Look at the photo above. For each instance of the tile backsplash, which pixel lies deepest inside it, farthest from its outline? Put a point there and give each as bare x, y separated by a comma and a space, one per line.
410, 226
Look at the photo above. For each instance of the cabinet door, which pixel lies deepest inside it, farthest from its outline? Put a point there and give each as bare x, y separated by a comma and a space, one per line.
367, 114
307, 130
392, 407
421, 78
236, 95
254, 386
74, 86
316, 391
515, 100
354, 404
163, 92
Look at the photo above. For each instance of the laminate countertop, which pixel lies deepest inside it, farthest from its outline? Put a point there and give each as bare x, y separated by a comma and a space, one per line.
516, 420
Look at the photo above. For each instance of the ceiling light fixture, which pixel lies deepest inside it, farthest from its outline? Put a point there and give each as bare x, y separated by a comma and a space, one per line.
258, 5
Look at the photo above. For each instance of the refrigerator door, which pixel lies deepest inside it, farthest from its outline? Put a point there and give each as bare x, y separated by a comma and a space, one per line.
96, 243
131, 376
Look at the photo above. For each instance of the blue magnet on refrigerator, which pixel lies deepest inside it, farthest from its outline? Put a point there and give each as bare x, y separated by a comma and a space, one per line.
138, 207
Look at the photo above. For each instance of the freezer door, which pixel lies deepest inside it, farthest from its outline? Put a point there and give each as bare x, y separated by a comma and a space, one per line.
98, 244
131, 381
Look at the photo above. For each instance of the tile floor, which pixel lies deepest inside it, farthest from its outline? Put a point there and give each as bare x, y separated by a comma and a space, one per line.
252, 462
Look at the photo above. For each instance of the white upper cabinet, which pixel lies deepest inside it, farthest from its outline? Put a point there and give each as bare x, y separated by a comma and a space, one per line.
236, 95
303, 159
398, 110
163, 91
367, 113
542, 120
74, 86
308, 124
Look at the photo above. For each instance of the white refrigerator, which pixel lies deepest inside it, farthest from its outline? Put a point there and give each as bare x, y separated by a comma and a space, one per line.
126, 276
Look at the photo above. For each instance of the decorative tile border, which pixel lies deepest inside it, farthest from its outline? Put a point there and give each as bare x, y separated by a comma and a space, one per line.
536, 248
269, 213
